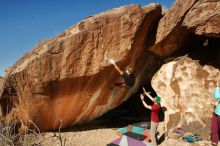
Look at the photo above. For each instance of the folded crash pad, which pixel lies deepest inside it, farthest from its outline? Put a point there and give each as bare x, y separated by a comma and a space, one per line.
128, 141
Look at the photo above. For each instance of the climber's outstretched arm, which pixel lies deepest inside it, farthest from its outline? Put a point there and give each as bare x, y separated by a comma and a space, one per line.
144, 103
148, 95
116, 67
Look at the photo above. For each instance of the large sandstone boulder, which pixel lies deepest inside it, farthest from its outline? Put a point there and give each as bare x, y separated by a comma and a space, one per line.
184, 20
204, 18
170, 35
67, 79
186, 89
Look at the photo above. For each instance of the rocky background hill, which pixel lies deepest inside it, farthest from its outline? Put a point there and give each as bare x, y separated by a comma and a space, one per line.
66, 80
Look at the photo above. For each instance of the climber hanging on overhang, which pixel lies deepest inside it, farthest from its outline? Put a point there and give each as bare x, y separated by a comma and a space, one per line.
129, 75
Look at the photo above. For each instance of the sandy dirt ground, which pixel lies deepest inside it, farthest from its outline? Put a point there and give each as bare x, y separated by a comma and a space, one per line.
99, 137
99, 134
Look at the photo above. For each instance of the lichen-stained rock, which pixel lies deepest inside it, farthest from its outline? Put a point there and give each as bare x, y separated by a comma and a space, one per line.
186, 89
67, 80
204, 18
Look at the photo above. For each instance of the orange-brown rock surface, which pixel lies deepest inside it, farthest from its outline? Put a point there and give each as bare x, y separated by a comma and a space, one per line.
170, 34
204, 18
183, 20
186, 89
67, 79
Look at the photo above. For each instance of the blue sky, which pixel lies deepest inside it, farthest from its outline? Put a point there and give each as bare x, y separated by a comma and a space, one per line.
24, 23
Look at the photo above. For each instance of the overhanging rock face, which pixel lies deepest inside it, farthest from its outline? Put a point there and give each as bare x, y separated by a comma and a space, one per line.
204, 18
67, 79
170, 34
184, 18
186, 89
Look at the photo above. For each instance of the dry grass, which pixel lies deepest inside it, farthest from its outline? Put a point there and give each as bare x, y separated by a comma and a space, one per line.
9, 136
